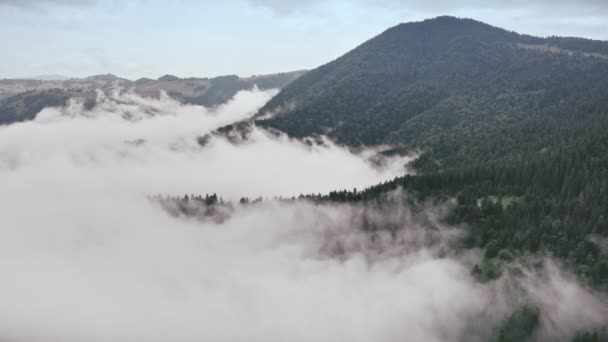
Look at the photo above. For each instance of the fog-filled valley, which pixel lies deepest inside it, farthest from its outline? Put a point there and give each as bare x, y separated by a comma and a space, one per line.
151, 146
86, 255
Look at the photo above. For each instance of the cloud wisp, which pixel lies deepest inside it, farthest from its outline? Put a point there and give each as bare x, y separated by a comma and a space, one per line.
588, 6
37, 3
540, 18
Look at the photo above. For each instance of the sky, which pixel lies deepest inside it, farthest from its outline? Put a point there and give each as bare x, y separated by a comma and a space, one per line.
188, 38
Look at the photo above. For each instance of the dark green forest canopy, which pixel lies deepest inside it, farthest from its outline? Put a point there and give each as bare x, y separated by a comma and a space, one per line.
554, 203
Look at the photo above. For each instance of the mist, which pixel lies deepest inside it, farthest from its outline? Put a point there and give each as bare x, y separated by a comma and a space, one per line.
85, 256
145, 146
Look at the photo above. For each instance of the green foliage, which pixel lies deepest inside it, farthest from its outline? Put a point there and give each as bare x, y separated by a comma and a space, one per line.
490, 269
591, 336
520, 325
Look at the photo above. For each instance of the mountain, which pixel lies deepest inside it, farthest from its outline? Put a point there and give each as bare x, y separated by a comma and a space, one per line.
512, 132
25, 106
458, 89
21, 100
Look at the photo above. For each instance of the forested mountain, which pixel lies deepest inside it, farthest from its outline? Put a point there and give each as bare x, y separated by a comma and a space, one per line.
512, 130
457, 88
22, 99
514, 127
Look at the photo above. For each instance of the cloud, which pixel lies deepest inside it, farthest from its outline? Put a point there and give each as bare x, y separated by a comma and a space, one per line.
590, 6
170, 160
541, 18
284, 7
35, 3
84, 255
259, 277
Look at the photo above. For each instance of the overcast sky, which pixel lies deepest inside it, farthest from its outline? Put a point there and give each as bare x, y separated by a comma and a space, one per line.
150, 38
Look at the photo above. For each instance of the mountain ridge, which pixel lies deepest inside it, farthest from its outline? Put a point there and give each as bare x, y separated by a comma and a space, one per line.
21, 99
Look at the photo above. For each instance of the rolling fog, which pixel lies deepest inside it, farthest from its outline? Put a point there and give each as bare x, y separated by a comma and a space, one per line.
84, 256
141, 146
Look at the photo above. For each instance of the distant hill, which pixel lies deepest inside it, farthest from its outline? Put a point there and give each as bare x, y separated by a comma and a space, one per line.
25, 106
210, 91
22, 99
456, 88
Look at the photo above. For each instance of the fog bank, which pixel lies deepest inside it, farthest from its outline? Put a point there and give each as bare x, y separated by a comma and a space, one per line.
84, 256
142, 146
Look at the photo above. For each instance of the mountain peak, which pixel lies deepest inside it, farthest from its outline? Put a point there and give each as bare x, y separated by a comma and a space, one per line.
413, 76
449, 27
104, 77
447, 20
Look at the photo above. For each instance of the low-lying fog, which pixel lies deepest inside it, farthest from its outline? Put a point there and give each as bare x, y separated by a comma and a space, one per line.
85, 256
134, 146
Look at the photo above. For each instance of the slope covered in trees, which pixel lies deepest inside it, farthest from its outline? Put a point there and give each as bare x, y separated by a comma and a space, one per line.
459, 89
554, 204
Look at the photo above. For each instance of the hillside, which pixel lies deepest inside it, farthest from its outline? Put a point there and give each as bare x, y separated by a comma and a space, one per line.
459, 89
513, 131
21, 100
25, 106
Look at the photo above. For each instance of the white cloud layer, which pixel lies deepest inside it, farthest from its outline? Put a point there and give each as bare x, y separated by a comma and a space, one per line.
84, 256
128, 144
